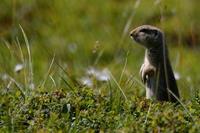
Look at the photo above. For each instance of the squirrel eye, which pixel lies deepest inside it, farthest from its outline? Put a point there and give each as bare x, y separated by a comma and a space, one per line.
144, 30
147, 31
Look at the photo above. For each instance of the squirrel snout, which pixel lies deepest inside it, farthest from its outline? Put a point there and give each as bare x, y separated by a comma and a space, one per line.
133, 34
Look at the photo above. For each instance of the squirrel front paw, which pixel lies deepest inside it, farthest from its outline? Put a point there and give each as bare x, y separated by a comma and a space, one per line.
146, 72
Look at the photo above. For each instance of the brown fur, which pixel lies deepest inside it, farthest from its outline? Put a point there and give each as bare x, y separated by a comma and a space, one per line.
156, 71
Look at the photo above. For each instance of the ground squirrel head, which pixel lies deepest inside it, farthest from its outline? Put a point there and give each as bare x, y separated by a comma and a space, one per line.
148, 36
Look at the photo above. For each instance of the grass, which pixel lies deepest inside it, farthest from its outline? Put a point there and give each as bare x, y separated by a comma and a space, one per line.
79, 68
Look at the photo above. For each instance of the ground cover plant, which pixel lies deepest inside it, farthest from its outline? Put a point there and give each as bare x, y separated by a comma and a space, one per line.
70, 66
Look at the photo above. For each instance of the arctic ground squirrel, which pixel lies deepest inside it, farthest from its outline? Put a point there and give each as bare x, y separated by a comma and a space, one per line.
156, 71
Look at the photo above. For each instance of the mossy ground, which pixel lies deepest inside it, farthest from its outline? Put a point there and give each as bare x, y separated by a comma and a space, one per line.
70, 66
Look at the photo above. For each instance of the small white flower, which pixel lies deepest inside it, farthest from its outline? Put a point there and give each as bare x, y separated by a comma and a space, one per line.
103, 75
18, 67
100, 75
177, 75
86, 81
91, 71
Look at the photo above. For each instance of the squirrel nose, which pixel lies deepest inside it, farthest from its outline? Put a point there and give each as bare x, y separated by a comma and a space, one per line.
132, 33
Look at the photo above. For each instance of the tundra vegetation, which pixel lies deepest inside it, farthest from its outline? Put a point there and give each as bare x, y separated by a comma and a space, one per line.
70, 66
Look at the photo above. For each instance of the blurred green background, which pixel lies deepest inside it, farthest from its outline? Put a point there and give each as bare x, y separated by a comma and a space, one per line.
85, 33
70, 66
